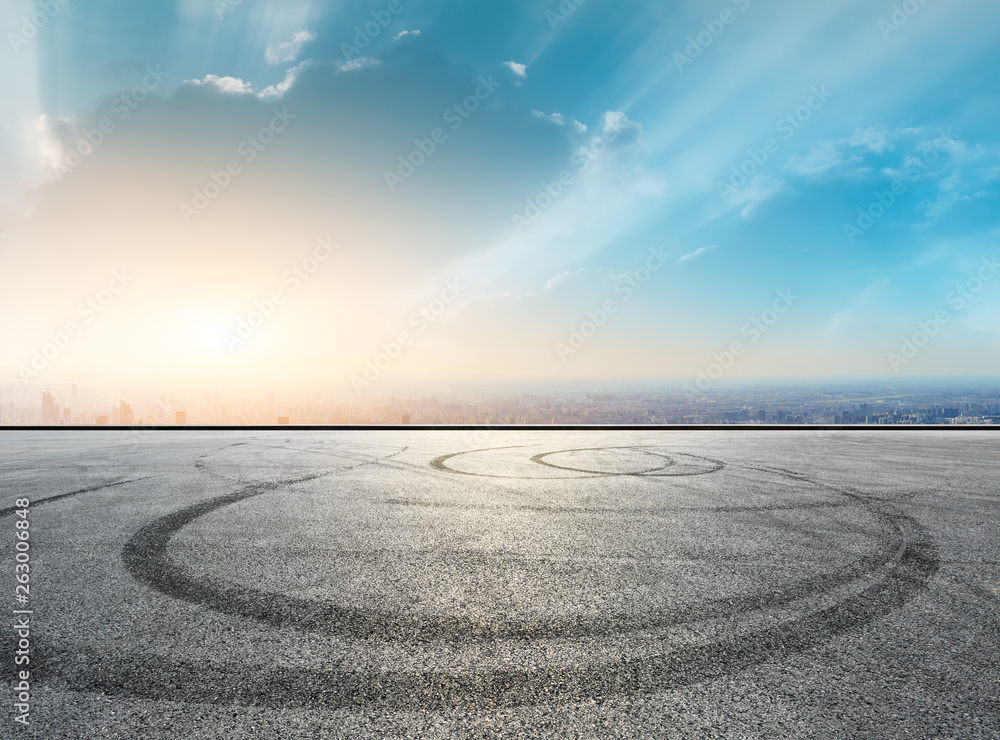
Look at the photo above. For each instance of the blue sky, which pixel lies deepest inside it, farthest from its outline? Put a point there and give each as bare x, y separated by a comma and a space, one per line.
647, 111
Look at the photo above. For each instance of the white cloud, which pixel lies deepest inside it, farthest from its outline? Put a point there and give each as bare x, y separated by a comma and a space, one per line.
833, 154
276, 91
357, 64
875, 139
232, 85
958, 149
51, 132
616, 122
936, 208
401, 34
695, 253
520, 70
288, 51
560, 120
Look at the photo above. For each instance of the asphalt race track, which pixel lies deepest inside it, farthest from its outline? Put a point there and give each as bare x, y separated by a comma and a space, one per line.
311, 584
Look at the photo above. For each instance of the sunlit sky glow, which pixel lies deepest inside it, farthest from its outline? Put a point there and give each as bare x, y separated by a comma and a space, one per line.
646, 110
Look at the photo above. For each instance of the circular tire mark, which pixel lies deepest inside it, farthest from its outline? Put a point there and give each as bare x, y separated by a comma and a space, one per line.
439, 463
159, 678
908, 568
653, 472
146, 558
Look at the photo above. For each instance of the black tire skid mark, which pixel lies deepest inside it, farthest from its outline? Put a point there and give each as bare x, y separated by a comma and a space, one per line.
539, 459
159, 678
59, 497
438, 463
145, 556
624, 510
155, 677
202, 466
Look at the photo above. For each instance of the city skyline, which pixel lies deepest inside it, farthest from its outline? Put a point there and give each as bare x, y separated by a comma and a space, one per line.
944, 401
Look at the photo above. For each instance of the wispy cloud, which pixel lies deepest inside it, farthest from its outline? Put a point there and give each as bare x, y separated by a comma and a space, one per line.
832, 154
276, 91
760, 189
233, 85
696, 253
288, 51
565, 277
357, 64
560, 120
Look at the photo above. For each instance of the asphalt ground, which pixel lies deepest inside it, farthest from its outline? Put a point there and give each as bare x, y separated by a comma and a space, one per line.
309, 584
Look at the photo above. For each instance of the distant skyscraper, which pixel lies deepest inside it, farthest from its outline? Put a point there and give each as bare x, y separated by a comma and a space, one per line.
50, 409
180, 418
125, 414
284, 420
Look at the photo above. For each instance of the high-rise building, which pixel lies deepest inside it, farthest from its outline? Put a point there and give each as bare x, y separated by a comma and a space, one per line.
50, 409
180, 418
124, 414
